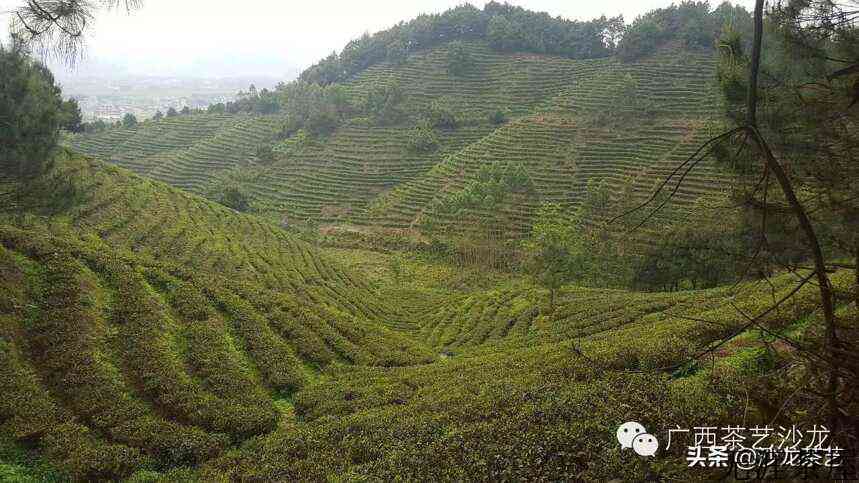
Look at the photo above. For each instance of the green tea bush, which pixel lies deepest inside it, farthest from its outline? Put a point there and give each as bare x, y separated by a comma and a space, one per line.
70, 352
423, 140
274, 358
145, 328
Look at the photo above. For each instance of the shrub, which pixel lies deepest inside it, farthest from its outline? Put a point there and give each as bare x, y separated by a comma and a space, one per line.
71, 116
129, 120
265, 153
439, 114
459, 60
640, 39
94, 127
396, 52
385, 103
423, 140
235, 198
497, 117
503, 34
323, 121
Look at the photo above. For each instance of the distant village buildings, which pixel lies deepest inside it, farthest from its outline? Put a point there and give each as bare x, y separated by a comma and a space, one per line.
112, 108
111, 99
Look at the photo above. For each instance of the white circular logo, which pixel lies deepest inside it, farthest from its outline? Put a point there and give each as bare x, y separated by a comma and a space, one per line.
627, 432
645, 444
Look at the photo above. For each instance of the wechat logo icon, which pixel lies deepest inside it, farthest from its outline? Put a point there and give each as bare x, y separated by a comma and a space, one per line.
634, 435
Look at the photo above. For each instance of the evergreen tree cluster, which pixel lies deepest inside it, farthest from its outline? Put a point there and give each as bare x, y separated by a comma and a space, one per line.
31, 112
692, 24
255, 101
508, 28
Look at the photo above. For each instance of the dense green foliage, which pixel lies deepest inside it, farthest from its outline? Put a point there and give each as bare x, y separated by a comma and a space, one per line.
130, 120
478, 207
31, 113
260, 102
96, 126
506, 27
317, 109
807, 43
423, 139
690, 23
234, 198
72, 121
548, 248
458, 58
265, 153
384, 103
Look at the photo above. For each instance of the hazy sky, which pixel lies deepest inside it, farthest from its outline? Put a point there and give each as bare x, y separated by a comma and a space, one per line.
275, 37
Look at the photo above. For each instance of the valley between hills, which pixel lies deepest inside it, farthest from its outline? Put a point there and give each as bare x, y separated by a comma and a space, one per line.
432, 257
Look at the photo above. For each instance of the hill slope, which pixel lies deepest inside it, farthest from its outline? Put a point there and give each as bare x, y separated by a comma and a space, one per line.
184, 151
571, 121
148, 332
233, 351
145, 326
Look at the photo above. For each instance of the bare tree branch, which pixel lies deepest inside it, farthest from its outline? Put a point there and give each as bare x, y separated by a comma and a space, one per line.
739, 330
57, 28
691, 159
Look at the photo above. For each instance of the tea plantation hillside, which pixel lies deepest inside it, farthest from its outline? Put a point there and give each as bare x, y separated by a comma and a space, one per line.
145, 326
186, 151
567, 122
424, 260
523, 393
150, 333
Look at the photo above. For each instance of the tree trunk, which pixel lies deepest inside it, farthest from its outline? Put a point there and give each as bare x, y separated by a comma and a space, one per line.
856, 269
752, 99
799, 212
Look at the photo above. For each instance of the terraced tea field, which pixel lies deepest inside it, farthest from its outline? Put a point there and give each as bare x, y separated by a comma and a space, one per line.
148, 332
571, 122
614, 122
463, 311
518, 381
181, 322
337, 180
353, 288
186, 151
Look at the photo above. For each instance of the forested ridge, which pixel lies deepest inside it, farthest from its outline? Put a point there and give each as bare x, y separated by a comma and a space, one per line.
468, 247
